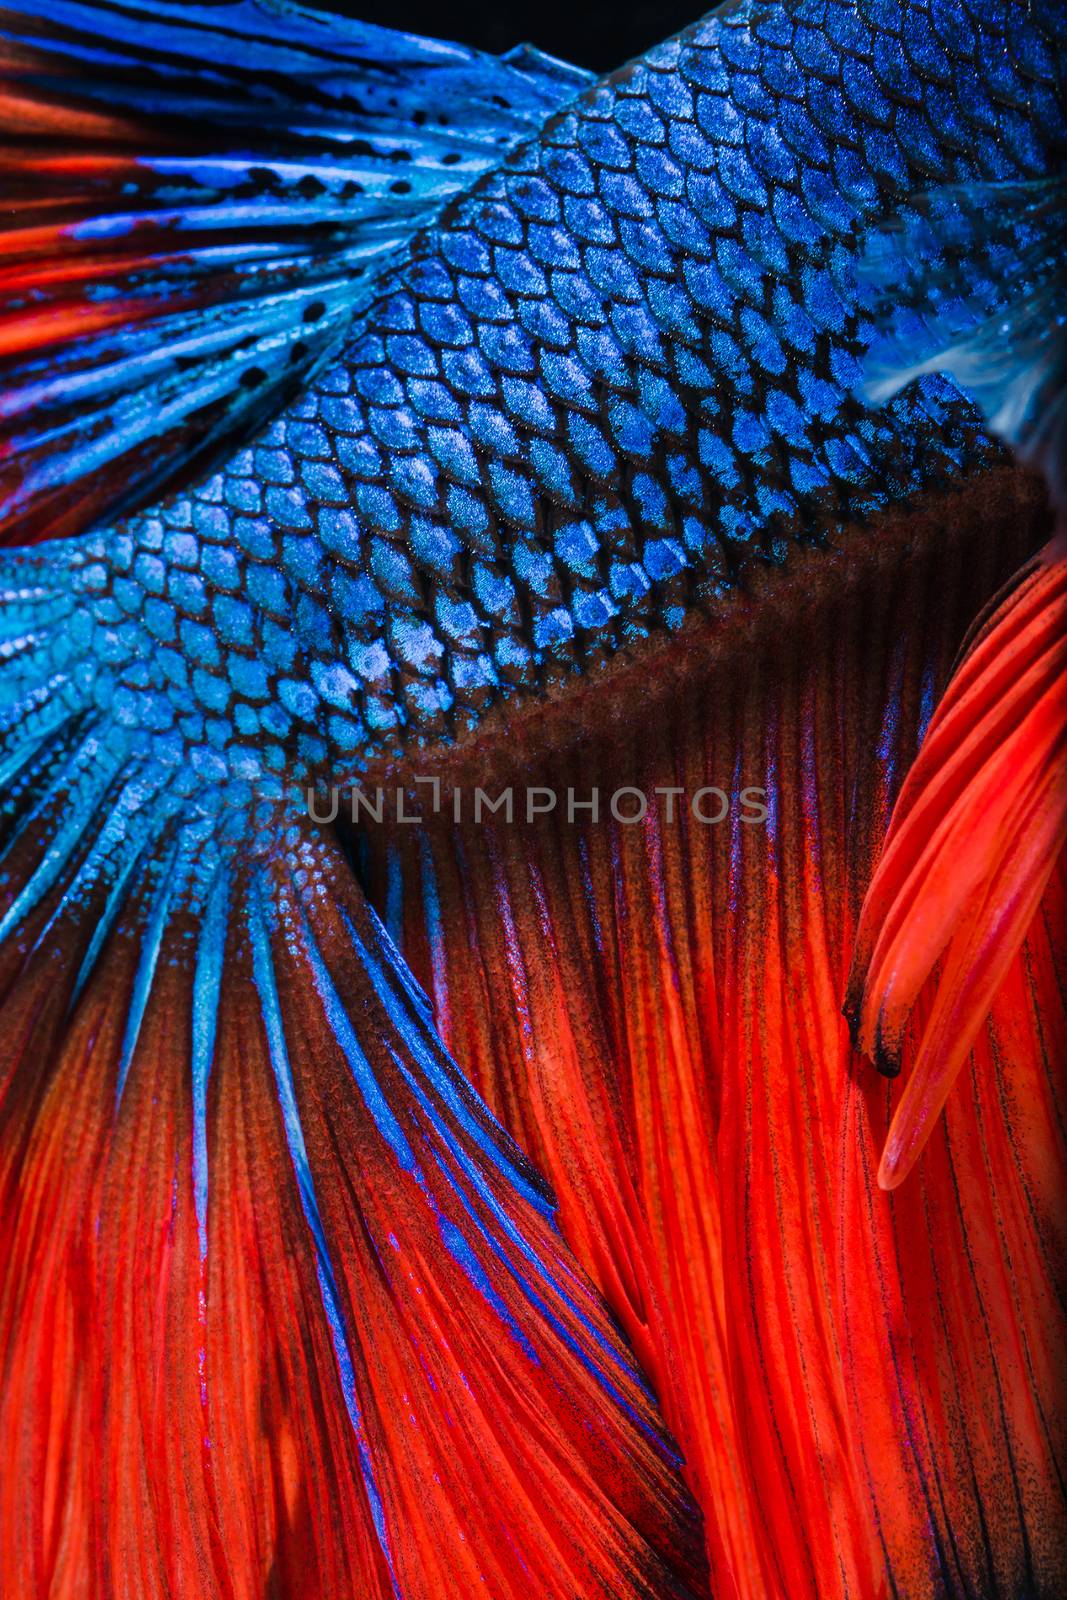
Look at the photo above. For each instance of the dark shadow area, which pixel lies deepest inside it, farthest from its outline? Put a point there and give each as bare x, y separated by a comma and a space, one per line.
591, 33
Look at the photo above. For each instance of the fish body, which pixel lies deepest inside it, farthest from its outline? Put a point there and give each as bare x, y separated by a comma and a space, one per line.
611, 379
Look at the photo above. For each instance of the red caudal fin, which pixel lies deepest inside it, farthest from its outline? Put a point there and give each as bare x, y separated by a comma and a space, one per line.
865, 1386
284, 1310
974, 838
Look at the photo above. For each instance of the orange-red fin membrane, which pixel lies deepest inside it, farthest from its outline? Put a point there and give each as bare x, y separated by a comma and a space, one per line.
972, 843
270, 1264
972, 282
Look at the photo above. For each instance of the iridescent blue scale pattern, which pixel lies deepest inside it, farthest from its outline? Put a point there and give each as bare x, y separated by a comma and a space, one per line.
614, 376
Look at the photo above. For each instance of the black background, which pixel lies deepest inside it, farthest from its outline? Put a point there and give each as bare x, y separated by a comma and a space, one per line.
591, 33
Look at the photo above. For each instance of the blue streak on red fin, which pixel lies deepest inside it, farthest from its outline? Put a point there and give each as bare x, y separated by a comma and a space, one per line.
392, 981
155, 929
257, 902
483, 1148
207, 989
363, 1318
194, 208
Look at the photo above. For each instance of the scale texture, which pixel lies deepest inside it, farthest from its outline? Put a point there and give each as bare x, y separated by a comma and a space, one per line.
359, 393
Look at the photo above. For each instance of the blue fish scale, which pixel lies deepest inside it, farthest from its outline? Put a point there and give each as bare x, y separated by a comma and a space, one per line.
614, 376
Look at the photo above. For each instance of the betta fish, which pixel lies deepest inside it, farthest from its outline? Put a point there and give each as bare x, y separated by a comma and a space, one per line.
532, 665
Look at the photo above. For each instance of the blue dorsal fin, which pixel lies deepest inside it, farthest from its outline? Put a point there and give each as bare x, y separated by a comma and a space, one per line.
196, 199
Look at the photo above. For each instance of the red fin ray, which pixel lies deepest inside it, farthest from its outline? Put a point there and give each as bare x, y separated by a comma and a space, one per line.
978, 827
282, 1307
824, 1357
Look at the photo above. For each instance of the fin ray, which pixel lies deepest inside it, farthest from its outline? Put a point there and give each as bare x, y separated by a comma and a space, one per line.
260, 1088
202, 208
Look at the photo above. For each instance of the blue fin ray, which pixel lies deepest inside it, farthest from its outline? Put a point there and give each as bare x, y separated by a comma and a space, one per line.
214, 192
74, 795
232, 956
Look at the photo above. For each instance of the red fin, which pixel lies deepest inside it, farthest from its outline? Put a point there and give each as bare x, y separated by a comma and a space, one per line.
974, 836
953, 1312
282, 1309
655, 1011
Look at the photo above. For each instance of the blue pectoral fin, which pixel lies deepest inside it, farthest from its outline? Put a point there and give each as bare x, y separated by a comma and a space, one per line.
195, 199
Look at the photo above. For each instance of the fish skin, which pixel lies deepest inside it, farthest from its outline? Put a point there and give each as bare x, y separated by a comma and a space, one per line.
614, 378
